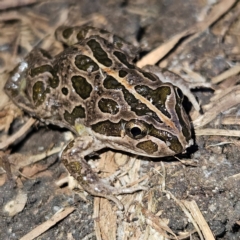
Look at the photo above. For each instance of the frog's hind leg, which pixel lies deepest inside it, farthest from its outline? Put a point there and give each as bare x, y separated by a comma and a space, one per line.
73, 159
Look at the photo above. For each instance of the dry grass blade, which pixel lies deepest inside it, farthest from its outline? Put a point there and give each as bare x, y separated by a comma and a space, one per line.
14, 4
230, 72
198, 217
228, 100
219, 144
218, 10
217, 132
107, 220
187, 213
18, 134
20, 160
96, 210
235, 177
158, 224
230, 120
48, 224
157, 54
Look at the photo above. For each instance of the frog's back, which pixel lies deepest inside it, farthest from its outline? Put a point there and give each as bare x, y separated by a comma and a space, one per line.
94, 85
67, 90
62, 89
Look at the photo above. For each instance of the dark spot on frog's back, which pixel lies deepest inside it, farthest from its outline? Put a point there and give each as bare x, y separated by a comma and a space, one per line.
77, 112
123, 59
99, 53
81, 86
39, 93
122, 73
118, 41
65, 91
81, 34
111, 83
53, 81
85, 63
102, 31
108, 106
158, 96
67, 33
150, 76
148, 146
39, 70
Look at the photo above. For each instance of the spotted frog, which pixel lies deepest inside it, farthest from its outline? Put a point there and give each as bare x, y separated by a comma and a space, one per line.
94, 89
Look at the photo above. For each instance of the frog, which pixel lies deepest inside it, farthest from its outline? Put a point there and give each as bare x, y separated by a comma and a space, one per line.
94, 89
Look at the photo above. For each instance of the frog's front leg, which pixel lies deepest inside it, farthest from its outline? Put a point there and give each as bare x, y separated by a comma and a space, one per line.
73, 159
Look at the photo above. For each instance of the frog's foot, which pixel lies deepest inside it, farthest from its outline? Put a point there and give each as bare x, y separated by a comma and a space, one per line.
122, 190
73, 159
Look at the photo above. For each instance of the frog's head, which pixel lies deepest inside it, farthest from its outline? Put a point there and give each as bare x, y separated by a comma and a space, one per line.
147, 119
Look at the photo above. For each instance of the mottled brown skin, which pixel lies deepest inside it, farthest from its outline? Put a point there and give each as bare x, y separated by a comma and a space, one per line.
94, 89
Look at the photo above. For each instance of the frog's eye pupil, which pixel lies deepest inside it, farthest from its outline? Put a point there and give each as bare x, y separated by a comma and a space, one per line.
136, 131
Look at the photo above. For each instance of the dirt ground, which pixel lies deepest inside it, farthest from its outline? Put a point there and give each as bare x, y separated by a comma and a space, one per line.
194, 195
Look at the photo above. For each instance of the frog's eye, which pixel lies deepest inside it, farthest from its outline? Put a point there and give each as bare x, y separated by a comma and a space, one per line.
136, 129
